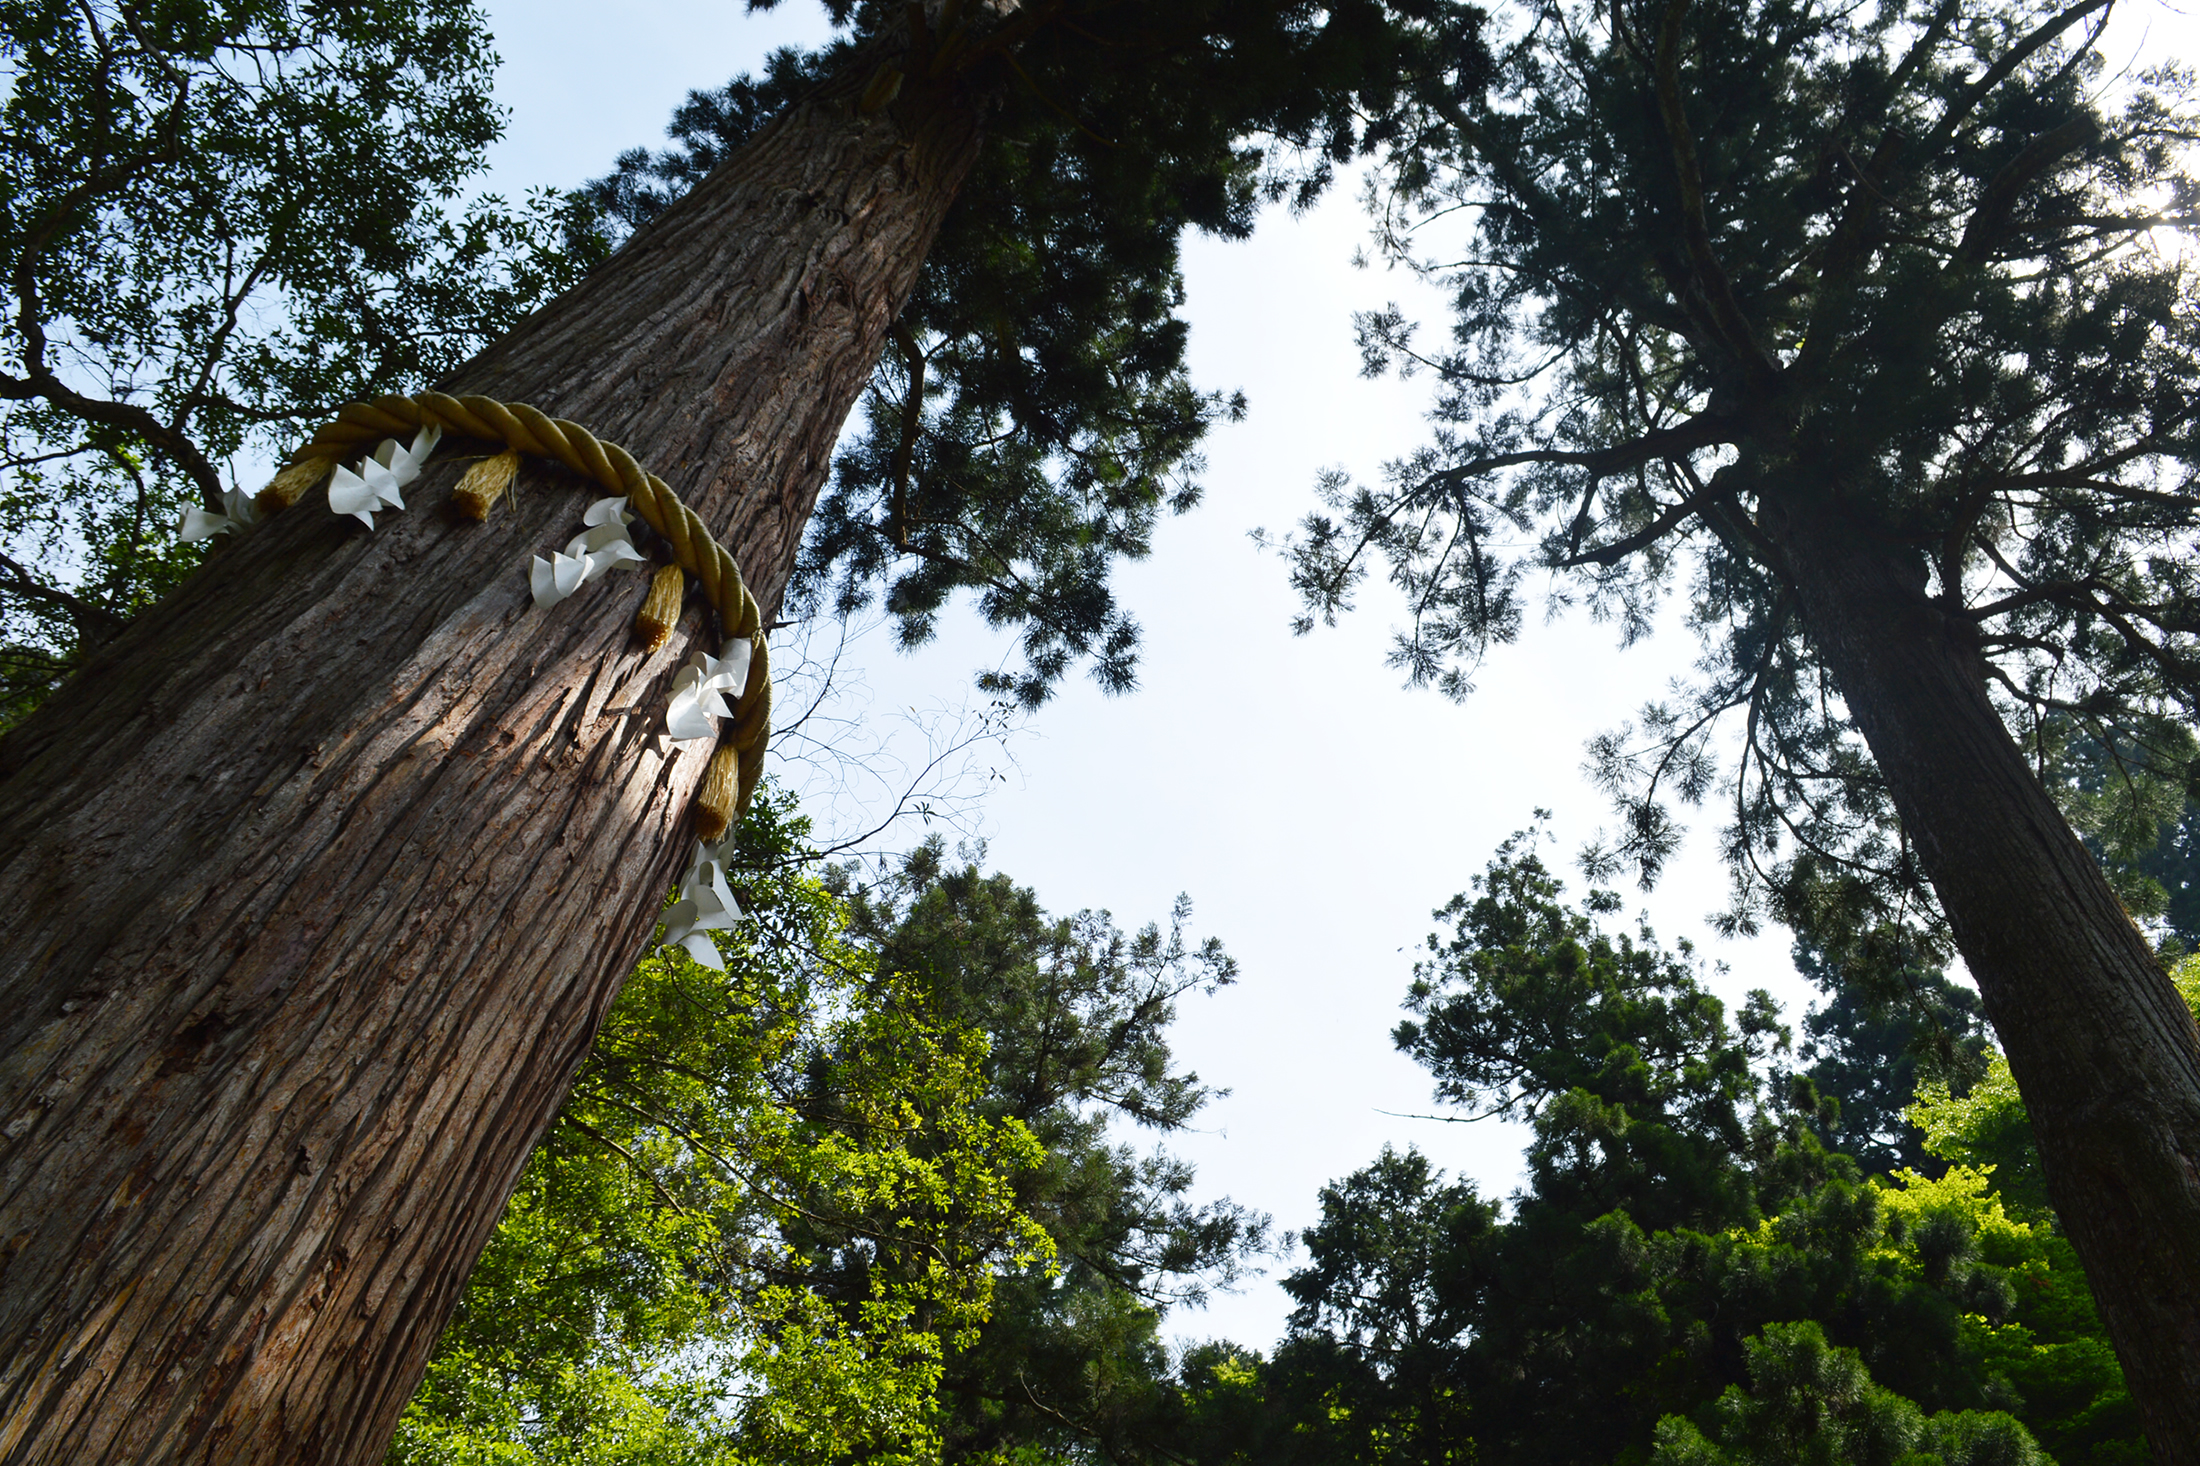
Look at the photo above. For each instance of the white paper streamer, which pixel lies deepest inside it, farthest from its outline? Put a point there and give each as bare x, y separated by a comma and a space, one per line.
706, 905
604, 545
240, 512
699, 688
373, 486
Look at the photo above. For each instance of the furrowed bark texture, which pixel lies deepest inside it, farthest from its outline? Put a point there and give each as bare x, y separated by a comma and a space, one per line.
2105, 1052
315, 885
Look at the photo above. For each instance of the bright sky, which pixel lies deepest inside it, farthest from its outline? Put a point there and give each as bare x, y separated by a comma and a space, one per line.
1314, 809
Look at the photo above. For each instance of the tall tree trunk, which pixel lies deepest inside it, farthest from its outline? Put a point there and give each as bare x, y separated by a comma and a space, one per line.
2103, 1049
315, 884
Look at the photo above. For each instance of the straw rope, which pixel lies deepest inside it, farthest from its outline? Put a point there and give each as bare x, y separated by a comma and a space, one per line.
738, 761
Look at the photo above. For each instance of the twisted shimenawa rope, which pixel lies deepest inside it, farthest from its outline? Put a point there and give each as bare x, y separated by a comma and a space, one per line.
739, 759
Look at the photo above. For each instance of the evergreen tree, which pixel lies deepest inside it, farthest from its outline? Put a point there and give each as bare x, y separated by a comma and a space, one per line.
1845, 325
2174, 866
1810, 1404
316, 881
1034, 417
1641, 1093
1070, 1364
2139, 819
1686, 1268
1868, 1049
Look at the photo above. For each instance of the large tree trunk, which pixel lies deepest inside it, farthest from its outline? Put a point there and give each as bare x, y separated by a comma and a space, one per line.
315, 885
2104, 1051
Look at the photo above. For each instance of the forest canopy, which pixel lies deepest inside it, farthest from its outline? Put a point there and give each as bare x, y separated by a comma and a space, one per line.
1851, 330
709, 1258
222, 223
1921, 253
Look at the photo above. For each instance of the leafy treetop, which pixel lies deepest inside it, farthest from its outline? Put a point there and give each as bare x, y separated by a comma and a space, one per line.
769, 1214
1707, 259
1034, 419
223, 219
1078, 1013
1685, 1273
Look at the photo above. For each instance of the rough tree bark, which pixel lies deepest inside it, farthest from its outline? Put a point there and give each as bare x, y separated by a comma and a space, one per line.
2105, 1052
315, 884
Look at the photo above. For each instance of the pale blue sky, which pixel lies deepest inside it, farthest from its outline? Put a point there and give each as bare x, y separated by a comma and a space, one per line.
1314, 810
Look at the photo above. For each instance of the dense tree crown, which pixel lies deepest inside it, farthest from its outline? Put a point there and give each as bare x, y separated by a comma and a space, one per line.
1034, 419
1702, 255
709, 1257
857, 1196
1869, 332
1687, 1275
228, 224
770, 1211
223, 220
1072, 1363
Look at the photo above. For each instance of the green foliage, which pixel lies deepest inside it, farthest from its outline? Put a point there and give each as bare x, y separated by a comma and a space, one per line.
1985, 1128
1076, 1012
771, 1210
1639, 1091
1711, 263
856, 1197
860, 1195
2135, 809
223, 219
2044, 1343
1035, 419
1868, 1050
2124, 801
1399, 1269
1686, 1275
2173, 865
1811, 1405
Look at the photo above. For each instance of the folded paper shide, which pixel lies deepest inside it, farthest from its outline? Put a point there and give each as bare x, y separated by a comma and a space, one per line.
708, 689
698, 691
373, 486
239, 512
706, 905
604, 545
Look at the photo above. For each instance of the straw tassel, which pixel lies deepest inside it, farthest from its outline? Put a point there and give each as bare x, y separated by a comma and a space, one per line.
751, 748
719, 799
661, 610
293, 483
737, 763
478, 489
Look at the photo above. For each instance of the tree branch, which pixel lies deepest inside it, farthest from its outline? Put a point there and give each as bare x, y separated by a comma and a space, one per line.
1548, 213
43, 386
1648, 535
1995, 75
628, 1156
1727, 315
912, 420
2000, 194
1702, 431
94, 623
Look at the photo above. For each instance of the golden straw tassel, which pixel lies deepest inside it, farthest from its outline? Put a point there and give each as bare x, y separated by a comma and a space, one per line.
751, 732
661, 609
477, 490
719, 797
292, 484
